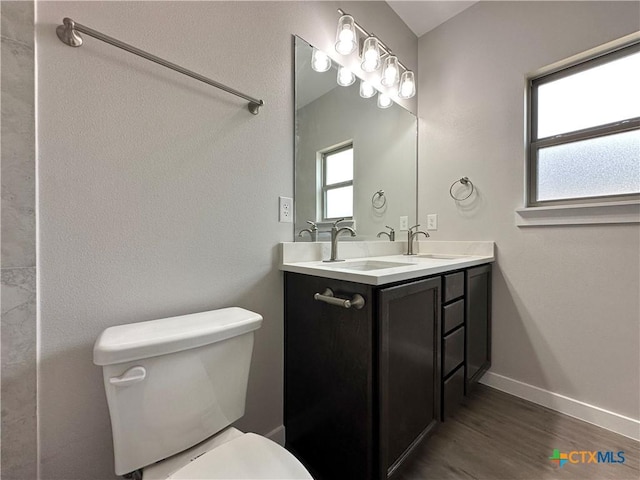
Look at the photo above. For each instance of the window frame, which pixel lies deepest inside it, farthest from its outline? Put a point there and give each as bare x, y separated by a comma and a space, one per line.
325, 188
534, 144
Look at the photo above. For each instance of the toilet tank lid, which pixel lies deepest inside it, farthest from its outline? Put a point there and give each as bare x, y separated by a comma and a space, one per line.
134, 341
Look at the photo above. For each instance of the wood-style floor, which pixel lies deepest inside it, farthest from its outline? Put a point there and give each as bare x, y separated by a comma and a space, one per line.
499, 436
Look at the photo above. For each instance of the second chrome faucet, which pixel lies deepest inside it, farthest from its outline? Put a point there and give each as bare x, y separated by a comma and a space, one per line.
335, 232
411, 235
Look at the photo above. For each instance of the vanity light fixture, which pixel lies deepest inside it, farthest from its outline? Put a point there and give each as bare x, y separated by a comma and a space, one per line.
384, 101
346, 38
320, 61
366, 89
374, 52
345, 77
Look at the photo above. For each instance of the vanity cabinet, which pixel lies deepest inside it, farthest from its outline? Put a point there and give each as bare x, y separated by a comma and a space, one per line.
361, 386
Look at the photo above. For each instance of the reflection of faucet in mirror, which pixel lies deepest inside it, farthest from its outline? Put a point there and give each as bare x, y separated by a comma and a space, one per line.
313, 231
411, 235
335, 231
391, 234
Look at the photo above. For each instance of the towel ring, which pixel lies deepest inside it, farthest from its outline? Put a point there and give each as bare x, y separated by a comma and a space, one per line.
379, 195
462, 181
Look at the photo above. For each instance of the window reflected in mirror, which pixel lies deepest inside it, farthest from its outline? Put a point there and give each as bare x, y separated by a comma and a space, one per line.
337, 183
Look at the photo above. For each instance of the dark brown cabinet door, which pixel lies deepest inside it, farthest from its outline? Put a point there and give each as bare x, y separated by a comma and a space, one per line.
329, 392
408, 367
478, 329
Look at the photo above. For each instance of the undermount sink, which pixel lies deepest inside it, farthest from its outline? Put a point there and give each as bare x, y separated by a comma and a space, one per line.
364, 265
440, 256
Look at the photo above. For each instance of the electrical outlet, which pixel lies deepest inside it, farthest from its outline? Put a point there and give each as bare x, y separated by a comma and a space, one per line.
404, 223
286, 209
432, 221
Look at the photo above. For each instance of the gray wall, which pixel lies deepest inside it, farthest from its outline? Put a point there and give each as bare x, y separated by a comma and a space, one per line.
566, 304
385, 155
19, 448
158, 195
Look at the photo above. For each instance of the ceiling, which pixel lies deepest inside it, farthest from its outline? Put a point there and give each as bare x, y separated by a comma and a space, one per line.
422, 16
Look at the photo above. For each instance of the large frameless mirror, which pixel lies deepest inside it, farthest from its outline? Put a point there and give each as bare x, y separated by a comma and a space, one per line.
354, 157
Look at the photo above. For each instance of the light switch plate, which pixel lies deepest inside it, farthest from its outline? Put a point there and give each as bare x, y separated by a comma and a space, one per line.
432, 221
404, 223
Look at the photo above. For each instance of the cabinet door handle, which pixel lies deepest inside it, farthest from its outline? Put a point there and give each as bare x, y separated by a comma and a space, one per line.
356, 302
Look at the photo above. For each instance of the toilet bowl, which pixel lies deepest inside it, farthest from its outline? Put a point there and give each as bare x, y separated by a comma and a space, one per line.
174, 386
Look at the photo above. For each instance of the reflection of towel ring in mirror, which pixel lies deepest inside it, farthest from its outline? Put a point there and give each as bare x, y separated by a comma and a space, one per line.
378, 200
463, 181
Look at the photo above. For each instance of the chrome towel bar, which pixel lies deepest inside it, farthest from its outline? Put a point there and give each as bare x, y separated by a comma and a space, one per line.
68, 34
356, 302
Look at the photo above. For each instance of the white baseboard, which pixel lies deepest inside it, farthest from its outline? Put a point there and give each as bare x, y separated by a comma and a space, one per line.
277, 435
615, 422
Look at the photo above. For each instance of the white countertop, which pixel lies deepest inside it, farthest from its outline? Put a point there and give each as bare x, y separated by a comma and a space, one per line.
363, 268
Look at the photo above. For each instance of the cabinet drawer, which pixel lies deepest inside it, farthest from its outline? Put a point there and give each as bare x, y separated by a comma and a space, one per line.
453, 316
452, 392
453, 286
452, 351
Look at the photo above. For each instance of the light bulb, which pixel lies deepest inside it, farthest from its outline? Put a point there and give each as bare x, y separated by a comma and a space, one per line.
390, 71
346, 35
371, 55
345, 77
320, 61
390, 74
407, 85
366, 89
384, 101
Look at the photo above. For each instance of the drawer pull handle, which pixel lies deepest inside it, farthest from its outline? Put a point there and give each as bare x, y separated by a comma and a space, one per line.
356, 302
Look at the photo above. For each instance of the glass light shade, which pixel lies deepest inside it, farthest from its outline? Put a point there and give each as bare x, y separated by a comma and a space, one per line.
320, 61
407, 87
366, 89
345, 77
370, 55
384, 101
346, 40
390, 71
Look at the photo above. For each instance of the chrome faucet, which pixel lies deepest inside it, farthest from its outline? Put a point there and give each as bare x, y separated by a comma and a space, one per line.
391, 234
335, 231
313, 231
411, 235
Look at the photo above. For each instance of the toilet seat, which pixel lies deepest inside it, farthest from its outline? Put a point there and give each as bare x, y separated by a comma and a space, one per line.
236, 456
247, 457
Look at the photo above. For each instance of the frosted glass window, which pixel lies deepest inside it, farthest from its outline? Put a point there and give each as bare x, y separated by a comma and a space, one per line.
600, 166
339, 166
603, 94
584, 123
340, 202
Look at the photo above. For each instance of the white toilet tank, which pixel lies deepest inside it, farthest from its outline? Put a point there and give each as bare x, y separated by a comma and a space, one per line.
173, 382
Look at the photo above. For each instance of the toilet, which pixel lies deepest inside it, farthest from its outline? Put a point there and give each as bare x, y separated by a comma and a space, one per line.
174, 386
